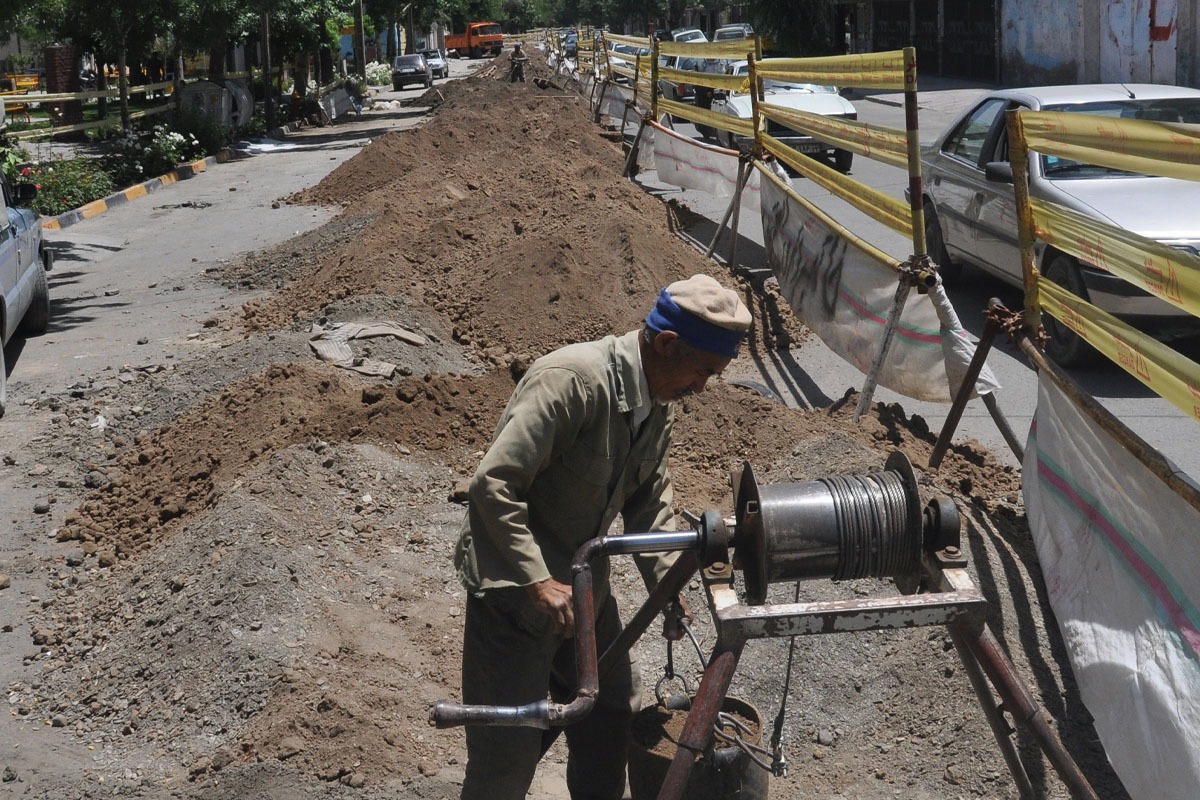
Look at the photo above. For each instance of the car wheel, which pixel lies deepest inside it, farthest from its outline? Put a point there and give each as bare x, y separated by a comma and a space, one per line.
1064, 346
428, 83
935, 245
37, 316
842, 160
397, 86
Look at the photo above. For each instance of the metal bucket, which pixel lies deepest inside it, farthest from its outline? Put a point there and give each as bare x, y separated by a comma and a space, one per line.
724, 772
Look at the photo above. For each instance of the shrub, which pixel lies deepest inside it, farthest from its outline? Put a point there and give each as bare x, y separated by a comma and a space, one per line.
378, 74
65, 184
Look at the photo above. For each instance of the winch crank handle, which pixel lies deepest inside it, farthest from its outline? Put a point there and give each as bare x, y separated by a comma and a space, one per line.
543, 714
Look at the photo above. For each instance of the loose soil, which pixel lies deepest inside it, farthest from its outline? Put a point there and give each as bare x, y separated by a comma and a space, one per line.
252, 592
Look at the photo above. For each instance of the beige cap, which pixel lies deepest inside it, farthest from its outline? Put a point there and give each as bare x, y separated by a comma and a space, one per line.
703, 313
702, 296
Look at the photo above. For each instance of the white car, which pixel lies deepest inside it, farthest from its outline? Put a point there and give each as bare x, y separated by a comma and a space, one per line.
436, 60
808, 97
24, 261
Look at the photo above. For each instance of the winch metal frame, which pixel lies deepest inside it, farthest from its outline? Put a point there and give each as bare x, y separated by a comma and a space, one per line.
940, 593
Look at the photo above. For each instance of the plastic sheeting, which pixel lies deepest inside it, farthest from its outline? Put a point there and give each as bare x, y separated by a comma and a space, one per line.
1121, 560
684, 162
844, 292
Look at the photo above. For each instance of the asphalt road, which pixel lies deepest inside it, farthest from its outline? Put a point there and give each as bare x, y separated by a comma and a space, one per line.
813, 376
126, 287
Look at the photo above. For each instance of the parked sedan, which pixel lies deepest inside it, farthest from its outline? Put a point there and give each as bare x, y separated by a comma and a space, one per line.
808, 97
411, 69
970, 212
24, 261
437, 63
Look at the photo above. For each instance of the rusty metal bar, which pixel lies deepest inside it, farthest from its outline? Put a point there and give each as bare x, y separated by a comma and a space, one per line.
846, 616
671, 585
631, 159
1027, 711
964, 393
885, 343
1000, 728
743, 166
744, 169
703, 713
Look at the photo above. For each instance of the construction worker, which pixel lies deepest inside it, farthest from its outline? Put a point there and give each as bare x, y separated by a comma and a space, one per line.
516, 71
584, 437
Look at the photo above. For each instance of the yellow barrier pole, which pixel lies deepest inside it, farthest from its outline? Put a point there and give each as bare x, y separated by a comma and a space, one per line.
913, 138
654, 79
1018, 157
756, 94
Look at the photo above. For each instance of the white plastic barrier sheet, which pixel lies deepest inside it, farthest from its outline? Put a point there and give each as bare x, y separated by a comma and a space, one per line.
1120, 553
613, 102
685, 162
844, 294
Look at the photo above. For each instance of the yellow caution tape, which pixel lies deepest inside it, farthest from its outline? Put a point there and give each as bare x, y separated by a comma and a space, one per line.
881, 207
1156, 148
730, 49
1163, 271
866, 247
881, 143
1174, 377
876, 70
726, 122
714, 79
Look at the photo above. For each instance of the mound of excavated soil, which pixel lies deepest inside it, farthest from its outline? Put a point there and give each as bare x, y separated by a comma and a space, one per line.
258, 599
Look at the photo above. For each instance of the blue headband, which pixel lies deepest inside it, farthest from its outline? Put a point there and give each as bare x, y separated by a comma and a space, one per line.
668, 316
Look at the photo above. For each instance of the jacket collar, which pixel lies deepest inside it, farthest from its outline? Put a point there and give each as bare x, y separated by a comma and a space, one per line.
631, 388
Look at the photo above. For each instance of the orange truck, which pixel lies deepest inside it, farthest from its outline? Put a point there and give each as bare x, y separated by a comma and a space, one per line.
480, 38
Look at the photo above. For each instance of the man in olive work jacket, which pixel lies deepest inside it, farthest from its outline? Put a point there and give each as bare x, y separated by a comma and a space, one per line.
584, 437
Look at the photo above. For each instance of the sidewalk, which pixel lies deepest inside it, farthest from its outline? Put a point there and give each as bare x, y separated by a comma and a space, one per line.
933, 92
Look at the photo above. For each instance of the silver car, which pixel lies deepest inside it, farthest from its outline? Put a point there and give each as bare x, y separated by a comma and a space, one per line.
437, 63
24, 261
970, 213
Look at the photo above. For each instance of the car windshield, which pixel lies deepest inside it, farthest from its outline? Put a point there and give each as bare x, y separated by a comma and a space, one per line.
1171, 109
487, 30
431, 54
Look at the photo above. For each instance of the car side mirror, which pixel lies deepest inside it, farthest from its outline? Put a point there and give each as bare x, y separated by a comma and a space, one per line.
25, 193
998, 172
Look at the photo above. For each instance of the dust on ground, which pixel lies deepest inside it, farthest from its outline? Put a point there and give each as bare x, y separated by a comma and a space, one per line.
252, 592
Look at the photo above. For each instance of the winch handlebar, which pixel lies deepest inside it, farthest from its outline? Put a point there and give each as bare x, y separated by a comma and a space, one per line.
544, 714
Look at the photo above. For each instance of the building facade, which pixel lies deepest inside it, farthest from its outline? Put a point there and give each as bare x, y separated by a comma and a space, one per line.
1032, 42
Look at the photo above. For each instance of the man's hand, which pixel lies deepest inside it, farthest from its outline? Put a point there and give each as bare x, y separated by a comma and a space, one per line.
554, 600
674, 615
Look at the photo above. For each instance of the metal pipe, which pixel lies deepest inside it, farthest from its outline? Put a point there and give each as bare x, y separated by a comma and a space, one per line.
885, 343
1000, 729
543, 714
1027, 711
631, 159
964, 392
671, 585
703, 713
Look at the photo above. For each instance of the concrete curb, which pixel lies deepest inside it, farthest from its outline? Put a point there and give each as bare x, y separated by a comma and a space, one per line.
182, 172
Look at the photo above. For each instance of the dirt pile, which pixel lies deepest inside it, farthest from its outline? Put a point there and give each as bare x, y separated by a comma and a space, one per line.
257, 597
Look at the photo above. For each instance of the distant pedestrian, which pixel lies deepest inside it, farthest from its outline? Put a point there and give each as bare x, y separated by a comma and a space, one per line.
516, 72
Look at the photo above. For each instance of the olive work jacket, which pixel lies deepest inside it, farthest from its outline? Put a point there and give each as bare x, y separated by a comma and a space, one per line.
563, 463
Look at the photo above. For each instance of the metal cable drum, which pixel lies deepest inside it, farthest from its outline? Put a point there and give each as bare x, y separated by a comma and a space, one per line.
842, 527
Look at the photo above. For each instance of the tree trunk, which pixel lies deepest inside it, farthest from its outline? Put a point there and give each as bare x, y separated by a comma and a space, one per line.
392, 28
123, 86
360, 42
268, 90
301, 77
101, 85
216, 58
